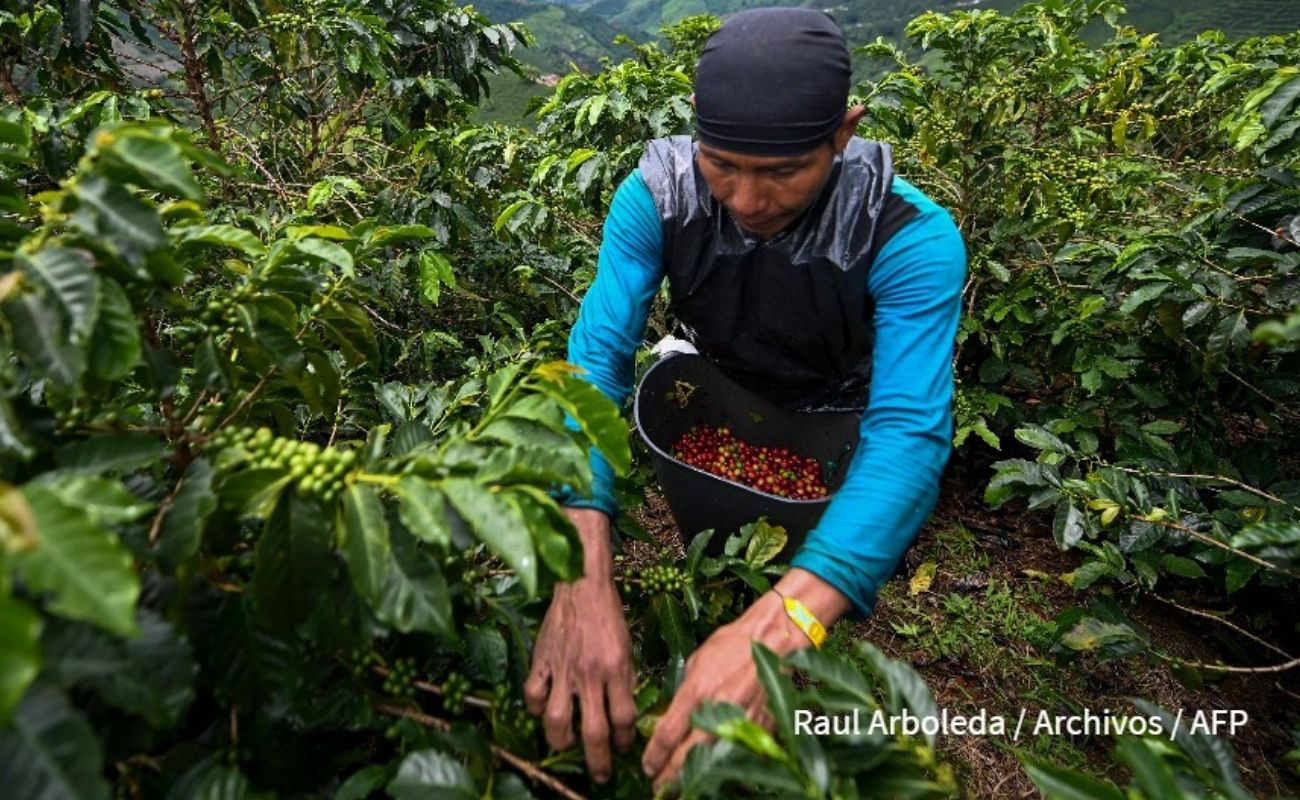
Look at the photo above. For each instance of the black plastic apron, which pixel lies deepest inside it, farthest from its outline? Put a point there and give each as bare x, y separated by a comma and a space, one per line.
789, 317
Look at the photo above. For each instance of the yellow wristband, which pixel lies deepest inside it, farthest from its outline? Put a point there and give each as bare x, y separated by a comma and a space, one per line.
801, 616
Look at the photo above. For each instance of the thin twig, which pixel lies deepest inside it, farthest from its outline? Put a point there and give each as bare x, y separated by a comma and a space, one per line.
248, 398
1292, 664
434, 689
379, 318
528, 768
1210, 540
334, 429
1205, 615
155, 528
1218, 478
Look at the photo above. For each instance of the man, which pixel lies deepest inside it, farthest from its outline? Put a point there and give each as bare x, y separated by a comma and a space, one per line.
805, 270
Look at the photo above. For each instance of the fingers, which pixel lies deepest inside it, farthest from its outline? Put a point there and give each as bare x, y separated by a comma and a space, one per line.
672, 728
669, 773
595, 731
539, 679
622, 712
557, 720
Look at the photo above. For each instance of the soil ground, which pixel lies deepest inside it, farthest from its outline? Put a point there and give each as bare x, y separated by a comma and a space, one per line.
981, 635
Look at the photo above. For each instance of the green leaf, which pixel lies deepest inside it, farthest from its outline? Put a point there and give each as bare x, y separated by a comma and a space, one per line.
695, 550
414, 594
119, 213
766, 544
329, 252
20, 652
363, 783
1142, 296
435, 273
1163, 427
386, 235
1267, 534
50, 752
1184, 567
223, 783
424, 510
1150, 771
429, 774
1207, 751
186, 518
79, 20
752, 736
105, 500
1232, 333
158, 164
903, 686
38, 336
1039, 438
1280, 99
12, 440
595, 414
1067, 526
780, 696
71, 282
487, 651
115, 345
1061, 783
111, 452
151, 675
1091, 633
365, 533
294, 562
1237, 573
672, 625
497, 524
84, 569
553, 532
225, 236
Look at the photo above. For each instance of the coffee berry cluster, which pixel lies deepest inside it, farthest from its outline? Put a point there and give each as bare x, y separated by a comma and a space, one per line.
401, 679
663, 579
319, 471
454, 688
775, 470
510, 714
360, 660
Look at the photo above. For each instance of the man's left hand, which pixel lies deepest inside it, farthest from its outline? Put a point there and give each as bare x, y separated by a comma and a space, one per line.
721, 670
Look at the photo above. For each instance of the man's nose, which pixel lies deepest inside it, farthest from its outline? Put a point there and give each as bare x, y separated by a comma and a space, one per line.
748, 199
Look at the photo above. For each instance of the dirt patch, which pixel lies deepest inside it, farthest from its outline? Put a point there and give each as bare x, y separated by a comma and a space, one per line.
980, 634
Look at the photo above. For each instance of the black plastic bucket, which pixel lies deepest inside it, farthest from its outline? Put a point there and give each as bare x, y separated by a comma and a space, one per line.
683, 391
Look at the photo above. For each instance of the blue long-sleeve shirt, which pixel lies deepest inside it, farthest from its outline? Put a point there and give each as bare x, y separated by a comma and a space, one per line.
893, 479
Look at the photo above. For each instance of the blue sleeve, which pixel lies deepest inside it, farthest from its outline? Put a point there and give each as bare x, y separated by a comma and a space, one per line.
612, 318
892, 482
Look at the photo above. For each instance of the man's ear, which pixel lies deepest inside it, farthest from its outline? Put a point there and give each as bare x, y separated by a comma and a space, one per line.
848, 127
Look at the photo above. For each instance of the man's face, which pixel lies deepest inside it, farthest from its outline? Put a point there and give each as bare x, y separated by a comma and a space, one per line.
766, 194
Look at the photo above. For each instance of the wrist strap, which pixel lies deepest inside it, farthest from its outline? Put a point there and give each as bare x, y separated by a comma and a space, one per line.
805, 619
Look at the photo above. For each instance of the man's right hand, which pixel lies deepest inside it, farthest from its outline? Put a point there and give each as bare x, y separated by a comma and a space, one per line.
583, 650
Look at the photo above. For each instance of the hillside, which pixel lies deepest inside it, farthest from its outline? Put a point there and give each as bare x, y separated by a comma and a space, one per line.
581, 32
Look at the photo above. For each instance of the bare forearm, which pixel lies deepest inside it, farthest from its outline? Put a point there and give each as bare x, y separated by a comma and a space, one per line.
593, 531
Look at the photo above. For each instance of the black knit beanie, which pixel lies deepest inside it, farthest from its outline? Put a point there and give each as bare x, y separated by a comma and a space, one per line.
772, 82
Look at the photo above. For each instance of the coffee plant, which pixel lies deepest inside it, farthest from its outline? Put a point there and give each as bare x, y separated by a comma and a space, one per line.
282, 411
1130, 213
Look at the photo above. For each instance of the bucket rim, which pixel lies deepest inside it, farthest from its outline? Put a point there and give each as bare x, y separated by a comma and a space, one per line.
636, 415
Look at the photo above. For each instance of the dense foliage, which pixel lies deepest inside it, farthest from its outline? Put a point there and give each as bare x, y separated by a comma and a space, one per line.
1133, 243
282, 400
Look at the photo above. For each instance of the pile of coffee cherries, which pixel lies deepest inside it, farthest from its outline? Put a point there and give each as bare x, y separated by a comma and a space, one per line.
775, 470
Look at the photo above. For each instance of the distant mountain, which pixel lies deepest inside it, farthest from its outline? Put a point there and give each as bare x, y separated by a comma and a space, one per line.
581, 32
586, 26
